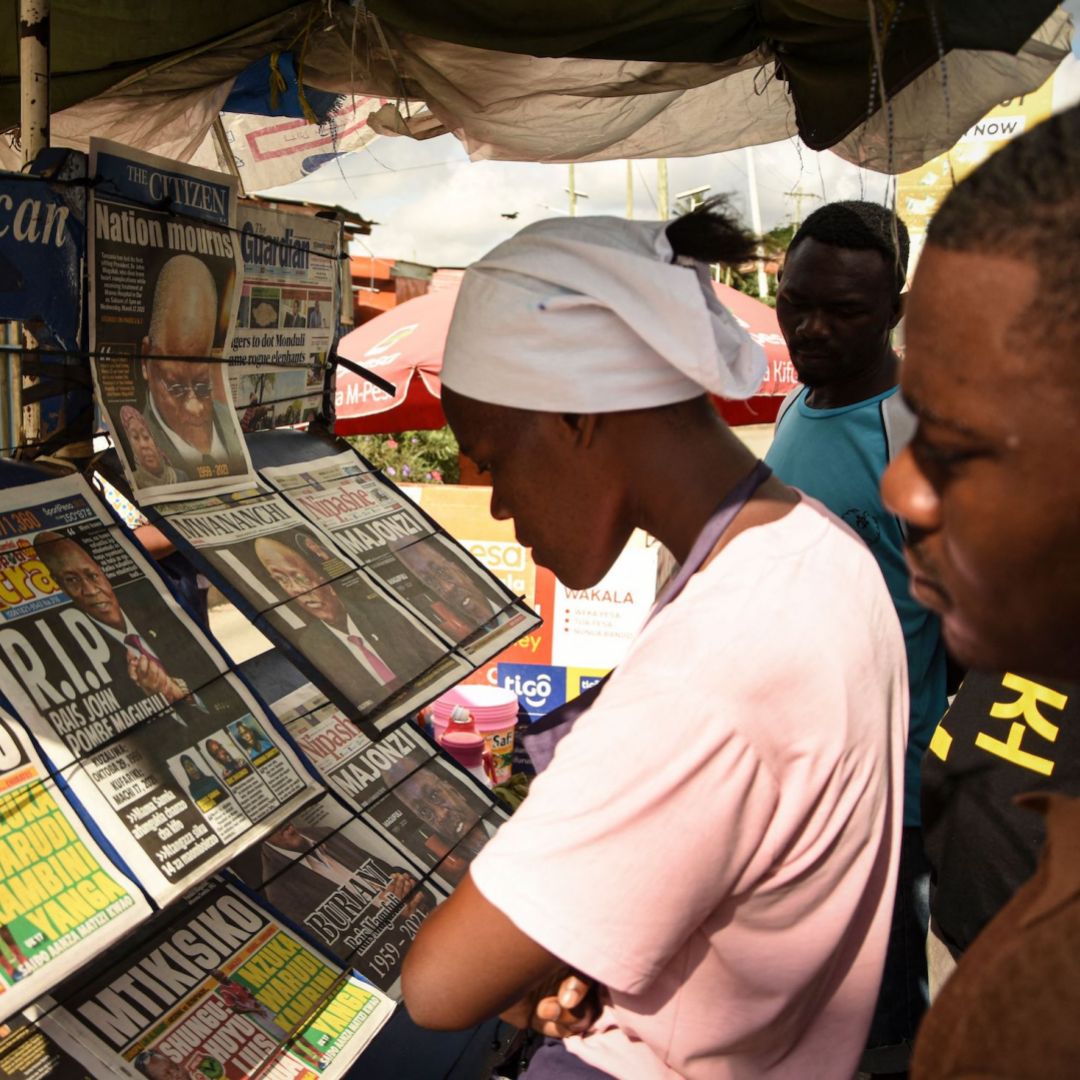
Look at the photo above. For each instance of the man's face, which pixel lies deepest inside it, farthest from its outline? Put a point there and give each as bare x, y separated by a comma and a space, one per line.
143, 446
836, 308
557, 492
450, 582
160, 1067
990, 485
85, 582
289, 837
301, 580
441, 806
183, 395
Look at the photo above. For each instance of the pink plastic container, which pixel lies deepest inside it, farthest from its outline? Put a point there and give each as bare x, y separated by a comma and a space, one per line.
494, 709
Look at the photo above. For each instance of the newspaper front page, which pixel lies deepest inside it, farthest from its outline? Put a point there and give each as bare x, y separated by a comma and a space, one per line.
388, 535
422, 804
33, 1047
223, 989
362, 647
286, 317
342, 883
168, 751
164, 262
61, 900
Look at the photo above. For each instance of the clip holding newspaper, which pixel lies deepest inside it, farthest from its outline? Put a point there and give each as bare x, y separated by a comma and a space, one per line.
164, 262
166, 749
221, 989
61, 899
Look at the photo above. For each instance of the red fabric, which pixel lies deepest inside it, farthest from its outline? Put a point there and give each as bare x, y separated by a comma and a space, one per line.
405, 346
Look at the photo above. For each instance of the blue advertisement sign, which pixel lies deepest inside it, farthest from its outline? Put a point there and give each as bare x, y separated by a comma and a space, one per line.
42, 256
538, 687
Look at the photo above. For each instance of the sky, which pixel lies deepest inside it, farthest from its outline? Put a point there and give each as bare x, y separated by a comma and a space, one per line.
433, 206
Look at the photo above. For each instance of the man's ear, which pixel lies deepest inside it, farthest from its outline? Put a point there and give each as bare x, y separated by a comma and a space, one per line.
899, 308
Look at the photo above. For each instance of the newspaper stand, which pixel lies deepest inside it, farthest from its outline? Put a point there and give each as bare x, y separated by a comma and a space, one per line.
121, 709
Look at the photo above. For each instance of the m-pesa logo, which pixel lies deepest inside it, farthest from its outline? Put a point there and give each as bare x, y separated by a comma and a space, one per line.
391, 339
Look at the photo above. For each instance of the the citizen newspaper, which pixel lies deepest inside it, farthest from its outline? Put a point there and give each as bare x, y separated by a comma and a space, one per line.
423, 805
286, 317
351, 890
389, 536
353, 639
221, 988
165, 260
61, 900
169, 753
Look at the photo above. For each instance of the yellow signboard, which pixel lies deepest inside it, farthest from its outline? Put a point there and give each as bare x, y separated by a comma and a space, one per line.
920, 192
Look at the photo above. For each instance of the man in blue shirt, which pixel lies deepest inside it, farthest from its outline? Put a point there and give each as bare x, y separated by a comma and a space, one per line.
838, 302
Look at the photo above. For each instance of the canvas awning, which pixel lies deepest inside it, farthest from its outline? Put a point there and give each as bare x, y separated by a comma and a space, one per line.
553, 81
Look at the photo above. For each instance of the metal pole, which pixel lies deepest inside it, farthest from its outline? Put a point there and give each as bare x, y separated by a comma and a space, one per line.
34, 77
573, 193
34, 137
755, 221
663, 205
629, 191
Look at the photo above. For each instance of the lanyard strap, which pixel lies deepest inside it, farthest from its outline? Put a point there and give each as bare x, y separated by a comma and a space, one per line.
543, 736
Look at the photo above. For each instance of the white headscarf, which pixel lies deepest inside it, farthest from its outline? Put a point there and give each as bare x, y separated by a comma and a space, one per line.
592, 315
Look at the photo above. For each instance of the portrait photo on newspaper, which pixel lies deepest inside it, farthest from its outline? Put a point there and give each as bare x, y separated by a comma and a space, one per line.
163, 297
356, 642
386, 534
346, 886
126, 694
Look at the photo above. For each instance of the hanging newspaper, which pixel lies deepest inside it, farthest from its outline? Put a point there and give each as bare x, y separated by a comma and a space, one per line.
362, 648
164, 263
286, 316
422, 804
168, 751
34, 1047
354, 893
222, 989
388, 535
61, 899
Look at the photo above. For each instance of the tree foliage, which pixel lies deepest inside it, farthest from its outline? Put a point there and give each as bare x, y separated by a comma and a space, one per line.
413, 457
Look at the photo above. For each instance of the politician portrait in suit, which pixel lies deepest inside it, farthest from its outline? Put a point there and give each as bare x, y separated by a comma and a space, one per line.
187, 410
137, 666
354, 635
304, 865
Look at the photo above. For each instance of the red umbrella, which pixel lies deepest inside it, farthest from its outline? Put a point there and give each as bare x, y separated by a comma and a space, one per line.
408, 341
760, 322
404, 346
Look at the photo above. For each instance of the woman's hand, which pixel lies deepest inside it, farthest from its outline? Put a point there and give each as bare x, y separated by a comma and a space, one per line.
567, 1004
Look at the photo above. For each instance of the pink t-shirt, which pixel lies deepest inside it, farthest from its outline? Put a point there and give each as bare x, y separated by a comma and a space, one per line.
716, 840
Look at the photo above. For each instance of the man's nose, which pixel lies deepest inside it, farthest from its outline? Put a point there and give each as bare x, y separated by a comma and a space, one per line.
193, 405
812, 325
908, 493
498, 509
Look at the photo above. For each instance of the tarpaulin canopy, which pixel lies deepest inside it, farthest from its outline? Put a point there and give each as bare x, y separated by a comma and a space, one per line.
829, 52
560, 81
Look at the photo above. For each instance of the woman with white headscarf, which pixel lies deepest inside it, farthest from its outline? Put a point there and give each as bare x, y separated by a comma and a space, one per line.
714, 843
